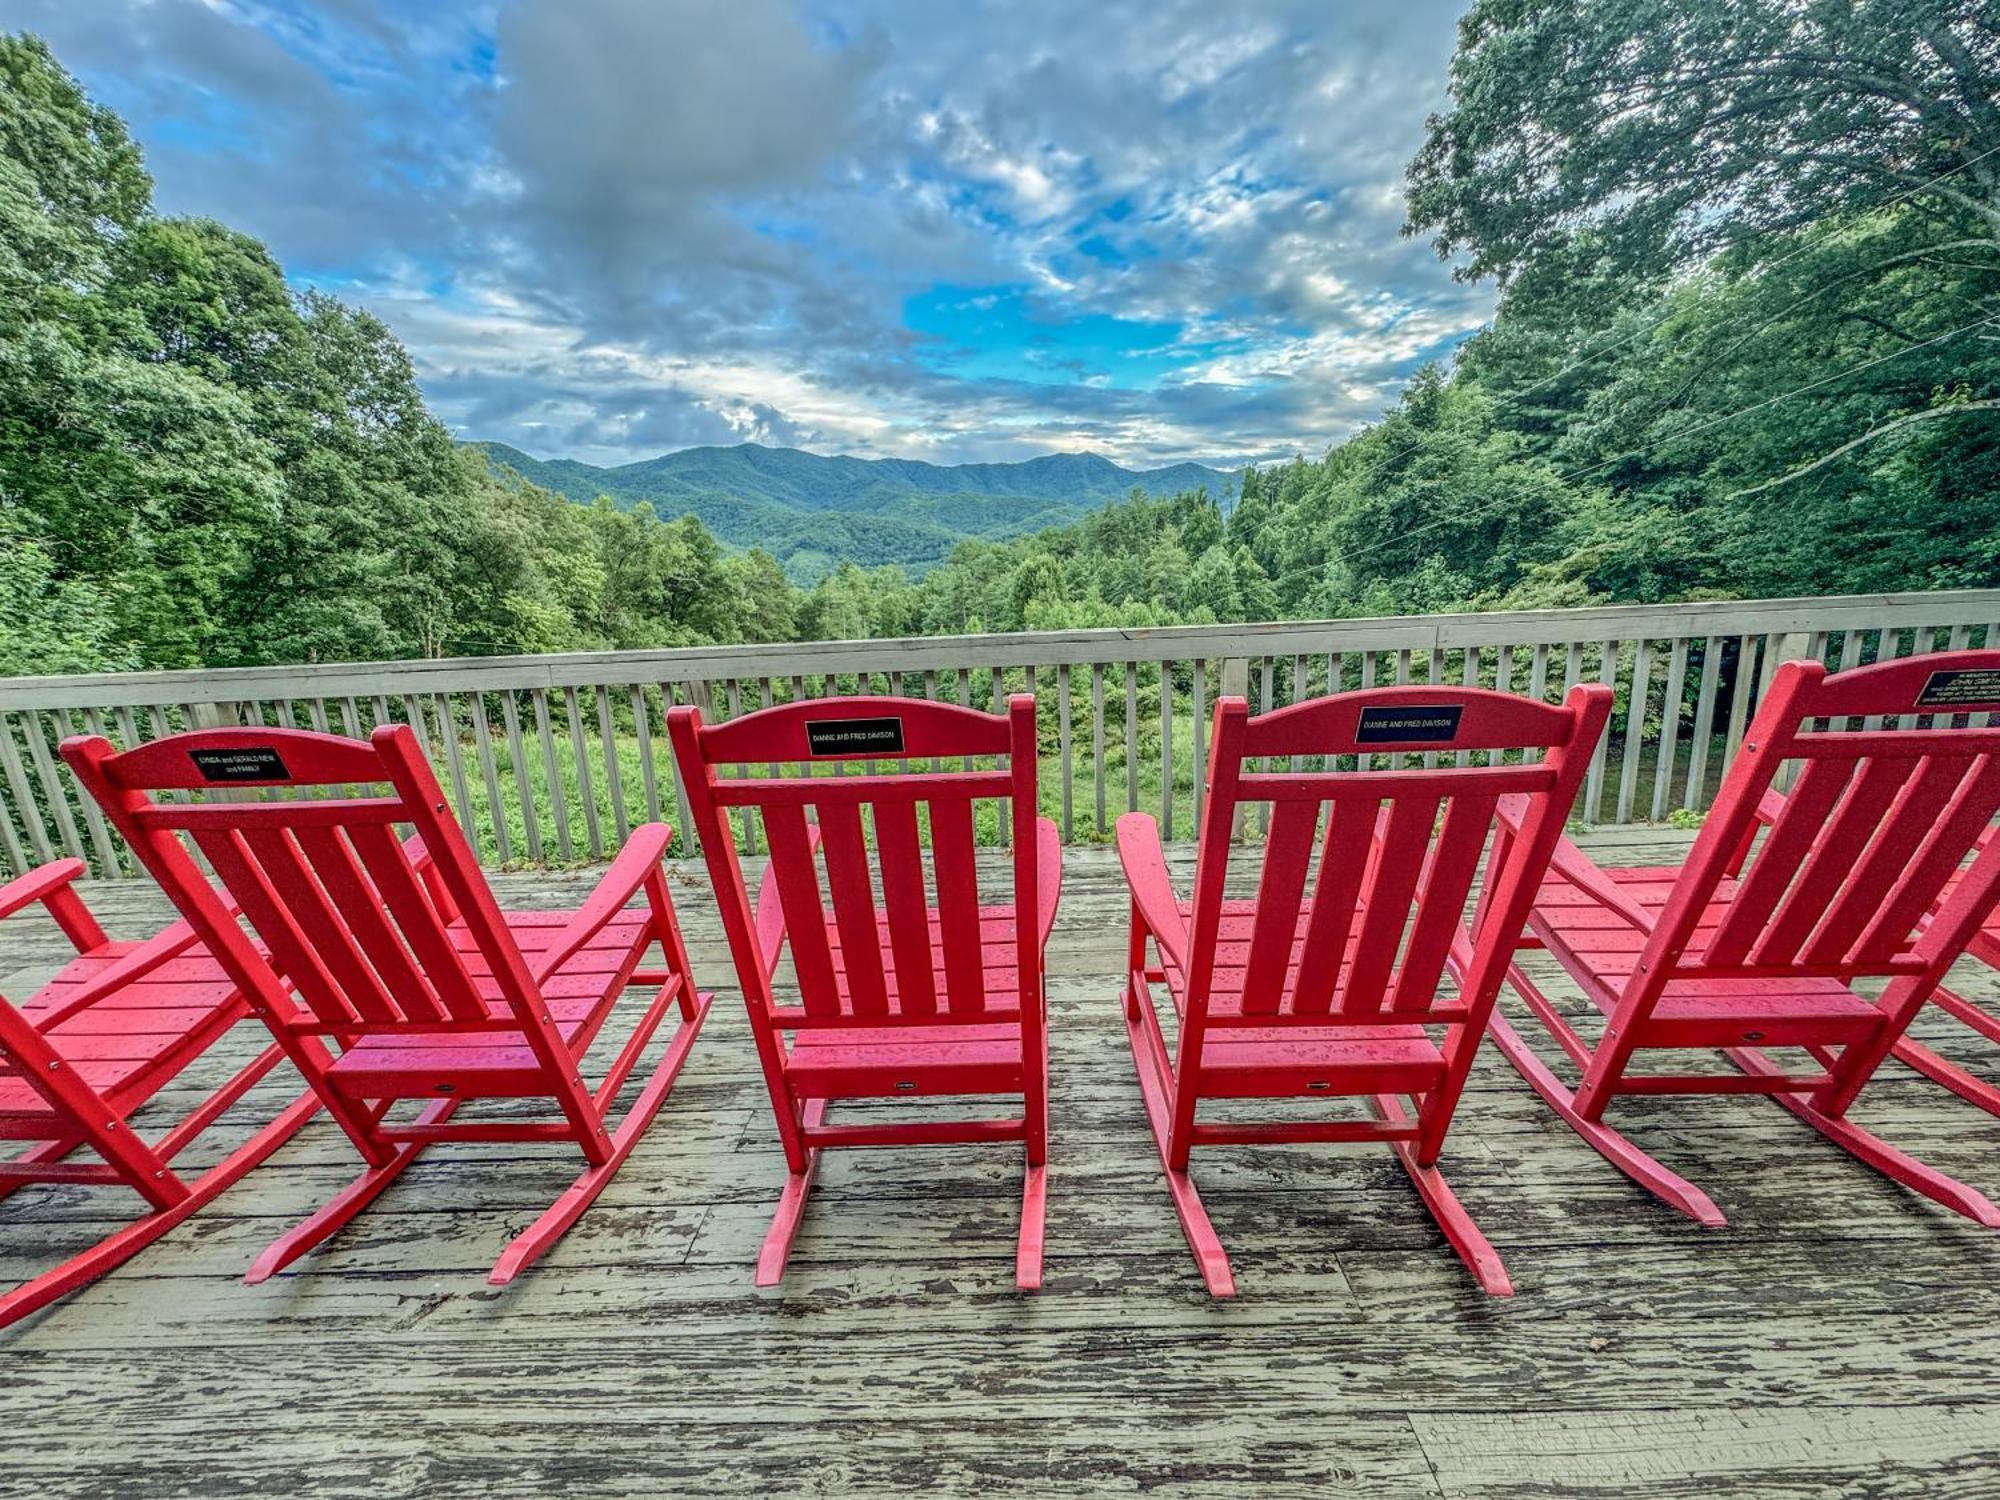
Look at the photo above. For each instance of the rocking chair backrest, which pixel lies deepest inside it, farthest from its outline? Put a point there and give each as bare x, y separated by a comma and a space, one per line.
881, 968
354, 918
1397, 856
1865, 841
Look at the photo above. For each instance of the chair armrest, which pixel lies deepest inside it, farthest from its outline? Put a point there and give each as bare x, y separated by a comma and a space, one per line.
639, 858
770, 914
1152, 890
1576, 867
39, 884
1048, 877
1573, 865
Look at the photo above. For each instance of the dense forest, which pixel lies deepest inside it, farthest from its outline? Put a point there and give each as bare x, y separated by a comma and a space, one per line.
1748, 343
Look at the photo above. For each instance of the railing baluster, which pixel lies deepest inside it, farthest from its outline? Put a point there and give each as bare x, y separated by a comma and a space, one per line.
1635, 726
586, 785
1063, 744
52, 780
1670, 726
482, 742
1469, 676
447, 720
1097, 741
1593, 791
1131, 673
531, 818
642, 729
1739, 700
24, 798
690, 836
1200, 729
1704, 723
552, 777
1166, 750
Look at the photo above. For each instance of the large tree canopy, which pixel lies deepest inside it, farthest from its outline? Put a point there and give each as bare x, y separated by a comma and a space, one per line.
1653, 132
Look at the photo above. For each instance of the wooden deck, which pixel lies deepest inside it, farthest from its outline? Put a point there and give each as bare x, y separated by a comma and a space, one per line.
1841, 1337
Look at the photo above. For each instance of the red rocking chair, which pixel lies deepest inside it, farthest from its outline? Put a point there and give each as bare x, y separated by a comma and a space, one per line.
401, 956
918, 994
95, 1044
1336, 993
1741, 954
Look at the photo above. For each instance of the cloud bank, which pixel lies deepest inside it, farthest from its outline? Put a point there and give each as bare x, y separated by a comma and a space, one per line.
971, 231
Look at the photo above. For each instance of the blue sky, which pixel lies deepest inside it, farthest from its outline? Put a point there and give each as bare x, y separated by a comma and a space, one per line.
958, 230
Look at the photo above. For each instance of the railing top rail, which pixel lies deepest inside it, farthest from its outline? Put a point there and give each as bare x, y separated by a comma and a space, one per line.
1725, 617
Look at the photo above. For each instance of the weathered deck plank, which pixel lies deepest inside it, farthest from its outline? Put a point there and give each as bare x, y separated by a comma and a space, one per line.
1841, 1337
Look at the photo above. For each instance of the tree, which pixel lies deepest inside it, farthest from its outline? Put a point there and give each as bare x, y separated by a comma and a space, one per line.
1651, 133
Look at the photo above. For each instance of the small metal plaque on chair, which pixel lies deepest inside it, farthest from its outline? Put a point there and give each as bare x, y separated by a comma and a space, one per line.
854, 736
1409, 724
252, 763
1950, 689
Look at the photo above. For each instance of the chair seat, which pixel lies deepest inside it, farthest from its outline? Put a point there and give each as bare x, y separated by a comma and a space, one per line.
128, 1044
490, 1064
932, 1058
1000, 975
1600, 951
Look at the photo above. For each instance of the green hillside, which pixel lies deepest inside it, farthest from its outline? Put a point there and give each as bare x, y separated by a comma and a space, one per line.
813, 512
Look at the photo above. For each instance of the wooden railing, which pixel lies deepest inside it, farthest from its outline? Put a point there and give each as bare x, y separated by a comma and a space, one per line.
551, 759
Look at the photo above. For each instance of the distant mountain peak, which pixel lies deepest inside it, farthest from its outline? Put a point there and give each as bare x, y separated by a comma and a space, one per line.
815, 510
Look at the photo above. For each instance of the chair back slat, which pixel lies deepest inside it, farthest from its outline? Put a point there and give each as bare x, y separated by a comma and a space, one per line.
364, 910
1454, 863
366, 928
1398, 865
867, 944
795, 868
897, 837
1791, 839
854, 912
418, 919
955, 868
1343, 865
1287, 851
1954, 836
292, 952
1860, 848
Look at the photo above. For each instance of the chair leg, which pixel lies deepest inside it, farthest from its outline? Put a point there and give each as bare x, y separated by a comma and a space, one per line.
1028, 1252
113, 1251
1480, 1258
523, 1250
784, 1229
1668, 1187
1866, 1146
1940, 1070
1202, 1239
343, 1205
